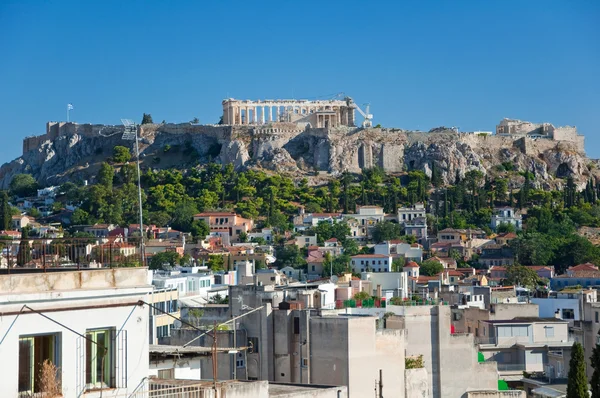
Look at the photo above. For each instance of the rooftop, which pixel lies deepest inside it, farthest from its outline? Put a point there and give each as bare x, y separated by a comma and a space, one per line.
531, 319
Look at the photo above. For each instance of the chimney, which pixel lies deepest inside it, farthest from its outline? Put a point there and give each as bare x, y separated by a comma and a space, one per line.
379, 291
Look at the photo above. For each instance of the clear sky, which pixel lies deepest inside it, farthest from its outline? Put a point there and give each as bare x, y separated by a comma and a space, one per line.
421, 64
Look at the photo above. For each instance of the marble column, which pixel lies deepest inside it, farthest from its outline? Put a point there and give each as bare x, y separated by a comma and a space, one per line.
247, 118
239, 111
270, 113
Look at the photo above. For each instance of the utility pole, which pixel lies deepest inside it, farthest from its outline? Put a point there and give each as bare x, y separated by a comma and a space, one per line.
380, 383
214, 356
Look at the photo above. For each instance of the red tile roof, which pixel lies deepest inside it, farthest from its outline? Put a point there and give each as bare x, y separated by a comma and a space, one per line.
215, 213
584, 267
411, 264
370, 256
331, 240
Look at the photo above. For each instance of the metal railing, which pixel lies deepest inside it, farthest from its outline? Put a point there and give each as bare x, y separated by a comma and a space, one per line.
157, 388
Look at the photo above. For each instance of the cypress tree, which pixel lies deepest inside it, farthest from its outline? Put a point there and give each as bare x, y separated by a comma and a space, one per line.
24, 255
595, 362
5, 217
577, 386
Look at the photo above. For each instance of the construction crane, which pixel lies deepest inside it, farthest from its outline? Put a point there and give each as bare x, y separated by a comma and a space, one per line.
368, 122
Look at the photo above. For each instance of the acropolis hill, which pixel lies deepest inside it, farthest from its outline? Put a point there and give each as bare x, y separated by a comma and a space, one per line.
300, 138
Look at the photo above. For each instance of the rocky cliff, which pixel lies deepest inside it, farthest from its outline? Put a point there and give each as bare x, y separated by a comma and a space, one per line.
74, 152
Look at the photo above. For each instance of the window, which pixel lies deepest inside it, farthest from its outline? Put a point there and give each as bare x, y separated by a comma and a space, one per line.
568, 313
596, 315
240, 362
296, 325
549, 331
468, 329
33, 351
313, 267
99, 359
168, 374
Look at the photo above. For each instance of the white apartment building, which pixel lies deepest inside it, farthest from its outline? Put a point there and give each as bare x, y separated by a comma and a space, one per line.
410, 213
506, 215
371, 263
411, 252
91, 325
362, 223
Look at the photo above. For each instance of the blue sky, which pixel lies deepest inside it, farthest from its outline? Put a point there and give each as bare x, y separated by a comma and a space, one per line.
421, 64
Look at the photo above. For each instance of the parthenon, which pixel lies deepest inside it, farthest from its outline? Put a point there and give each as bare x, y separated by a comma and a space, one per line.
322, 113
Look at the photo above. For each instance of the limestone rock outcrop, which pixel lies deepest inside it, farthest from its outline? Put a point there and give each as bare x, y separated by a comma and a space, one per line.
74, 152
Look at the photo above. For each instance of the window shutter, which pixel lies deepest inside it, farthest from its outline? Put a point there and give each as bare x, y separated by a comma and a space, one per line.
120, 358
80, 365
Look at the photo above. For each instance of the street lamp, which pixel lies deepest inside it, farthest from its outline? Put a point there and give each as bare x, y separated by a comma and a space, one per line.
131, 133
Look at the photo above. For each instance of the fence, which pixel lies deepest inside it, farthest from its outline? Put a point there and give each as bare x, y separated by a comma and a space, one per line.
382, 303
157, 388
66, 252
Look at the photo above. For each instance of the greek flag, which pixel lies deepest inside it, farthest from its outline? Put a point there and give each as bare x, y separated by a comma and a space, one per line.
70, 106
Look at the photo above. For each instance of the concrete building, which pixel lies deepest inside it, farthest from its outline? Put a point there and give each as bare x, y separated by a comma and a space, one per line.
162, 318
226, 222
371, 263
319, 114
451, 360
92, 325
506, 215
417, 227
566, 305
392, 284
397, 248
365, 220
406, 214
306, 240
527, 344
473, 320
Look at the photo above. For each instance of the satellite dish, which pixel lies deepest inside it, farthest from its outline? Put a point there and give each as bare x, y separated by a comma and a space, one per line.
177, 324
334, 279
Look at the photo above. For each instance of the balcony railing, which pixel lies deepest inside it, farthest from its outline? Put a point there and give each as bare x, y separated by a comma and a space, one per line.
158, 388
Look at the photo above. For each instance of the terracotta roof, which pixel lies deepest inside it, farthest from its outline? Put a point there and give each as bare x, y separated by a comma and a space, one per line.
331, 240
411, 264
326, 214
424, 279
497, 268
582, 274
584, 267
215, 213
507, 235
452, 273
370, 256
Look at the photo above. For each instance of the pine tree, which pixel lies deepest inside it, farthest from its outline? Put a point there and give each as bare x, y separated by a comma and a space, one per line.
5, 215
577, 381
595, 362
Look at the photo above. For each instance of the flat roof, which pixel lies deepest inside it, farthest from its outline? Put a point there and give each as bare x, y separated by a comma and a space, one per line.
527, 320
280, 389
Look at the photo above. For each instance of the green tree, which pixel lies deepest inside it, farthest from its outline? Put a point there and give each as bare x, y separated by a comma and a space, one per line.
519, 275
164, 260
106, 175
23, 185
577, 385
431, 268
398, 264
121, 154
505, 227
5, 212
595, 363
385, 231
147, 118
200, 229
362, 295
183, 216
24, 255
216, 263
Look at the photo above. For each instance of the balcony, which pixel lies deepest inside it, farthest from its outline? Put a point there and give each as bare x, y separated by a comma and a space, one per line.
162, 388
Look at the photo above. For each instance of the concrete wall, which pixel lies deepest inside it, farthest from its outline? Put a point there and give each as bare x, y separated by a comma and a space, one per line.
450, 360
416, 383
349, 351
549, 306
79, 310
495, 394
